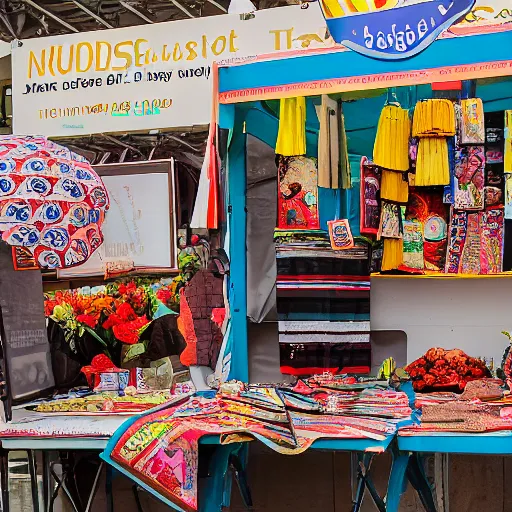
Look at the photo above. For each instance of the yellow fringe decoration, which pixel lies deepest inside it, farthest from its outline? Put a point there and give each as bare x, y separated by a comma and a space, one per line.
332, 9
434, 118
291, 137
432, 164
508, 141
393, 187
391, 149
392, 255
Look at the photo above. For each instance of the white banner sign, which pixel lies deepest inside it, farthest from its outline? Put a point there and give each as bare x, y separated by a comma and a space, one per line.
145, 77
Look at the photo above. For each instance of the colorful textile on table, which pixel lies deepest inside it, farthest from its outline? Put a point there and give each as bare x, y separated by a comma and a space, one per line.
427, 208
434, 118
340, 235
476, 242
370, 205
298, 193
391, 149
472, 125
469, 178
52, 203
161, 448
291, 137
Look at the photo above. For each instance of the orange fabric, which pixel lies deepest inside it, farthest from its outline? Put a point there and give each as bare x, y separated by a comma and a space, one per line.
186, 326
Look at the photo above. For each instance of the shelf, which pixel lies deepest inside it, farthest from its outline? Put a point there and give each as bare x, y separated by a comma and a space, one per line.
439, 275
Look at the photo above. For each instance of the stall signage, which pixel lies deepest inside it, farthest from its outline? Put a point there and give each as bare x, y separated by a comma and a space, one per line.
146, 77
398, 33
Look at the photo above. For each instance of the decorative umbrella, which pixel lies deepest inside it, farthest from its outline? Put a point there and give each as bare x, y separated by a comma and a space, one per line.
52, 203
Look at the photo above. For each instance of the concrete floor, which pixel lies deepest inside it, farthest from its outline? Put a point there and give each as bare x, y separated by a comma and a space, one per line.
315, 481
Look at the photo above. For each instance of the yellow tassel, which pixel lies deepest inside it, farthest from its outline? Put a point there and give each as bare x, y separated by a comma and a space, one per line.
508, 141
391, 149
392, 255
291, 137
434, 118
393, 187
432, 164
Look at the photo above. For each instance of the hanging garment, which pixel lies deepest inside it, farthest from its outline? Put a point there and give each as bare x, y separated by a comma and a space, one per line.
394, 187
508, 141
291, 137
328, 143
434, 118
392, 255
391, 149
333, 162
472, 126
203, 336
370, 182
432, 165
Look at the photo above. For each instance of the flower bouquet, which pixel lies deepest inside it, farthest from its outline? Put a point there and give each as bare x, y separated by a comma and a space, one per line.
441, 369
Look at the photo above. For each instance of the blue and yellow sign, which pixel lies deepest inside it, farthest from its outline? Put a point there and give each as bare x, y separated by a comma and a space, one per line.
384, 29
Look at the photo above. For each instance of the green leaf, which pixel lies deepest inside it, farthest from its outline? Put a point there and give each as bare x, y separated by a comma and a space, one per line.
134, 351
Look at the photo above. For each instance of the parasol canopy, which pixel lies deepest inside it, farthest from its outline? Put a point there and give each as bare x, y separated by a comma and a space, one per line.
52, 203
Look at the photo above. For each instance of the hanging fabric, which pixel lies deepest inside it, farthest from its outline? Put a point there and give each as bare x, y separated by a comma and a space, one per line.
392, 255
508, 141
291, 137
346, 178
472, 127
206, 207
432, 165
434, 118
394, 187
391, 150
328, 145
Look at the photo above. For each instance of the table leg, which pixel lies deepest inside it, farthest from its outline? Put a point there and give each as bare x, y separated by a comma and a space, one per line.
397, 483
47, 480
211, 497
32, 469
4, 478
416, 475
109, 488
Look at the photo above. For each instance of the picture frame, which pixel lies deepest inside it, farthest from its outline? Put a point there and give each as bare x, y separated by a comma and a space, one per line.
140, 228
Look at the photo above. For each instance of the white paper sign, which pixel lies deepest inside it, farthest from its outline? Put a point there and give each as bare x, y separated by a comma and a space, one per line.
145, 77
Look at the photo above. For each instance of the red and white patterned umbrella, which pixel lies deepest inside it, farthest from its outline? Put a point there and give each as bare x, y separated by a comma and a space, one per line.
52, 203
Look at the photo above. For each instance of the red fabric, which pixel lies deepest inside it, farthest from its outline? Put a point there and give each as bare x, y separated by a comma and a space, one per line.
447, 86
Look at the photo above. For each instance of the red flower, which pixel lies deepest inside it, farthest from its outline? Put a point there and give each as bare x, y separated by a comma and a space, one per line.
111, 321
125, 312
102, 362
89, 320
129, 331
164, 295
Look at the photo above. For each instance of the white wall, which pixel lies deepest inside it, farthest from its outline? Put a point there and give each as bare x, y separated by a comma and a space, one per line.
451, 313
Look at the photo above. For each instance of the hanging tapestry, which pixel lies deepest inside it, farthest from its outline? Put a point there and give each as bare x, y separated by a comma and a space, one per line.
472, 126
390, 221
298, 193
369, 204
469, 178
508, 195
413, 245
340, 235
476, 242
492, 240
507, 155
427, 207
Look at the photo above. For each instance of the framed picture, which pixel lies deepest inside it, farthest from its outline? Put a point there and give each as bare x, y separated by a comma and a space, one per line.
140, 228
